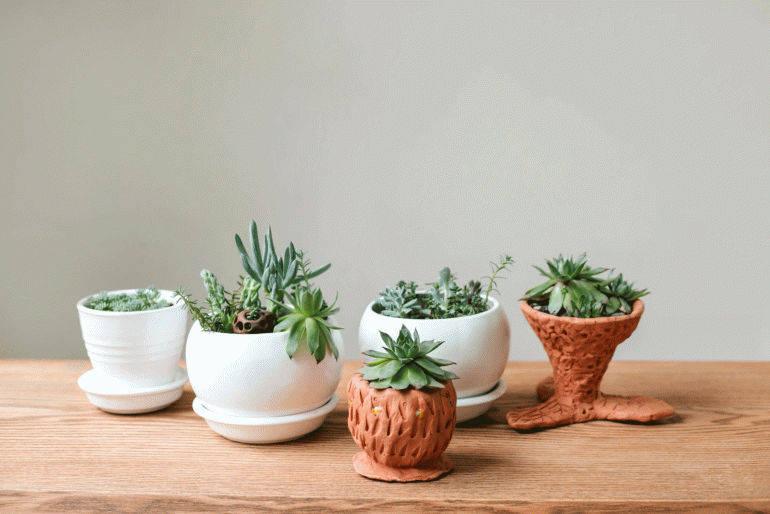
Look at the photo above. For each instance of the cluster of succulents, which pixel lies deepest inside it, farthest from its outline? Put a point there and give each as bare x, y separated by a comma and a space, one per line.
139, 300
292, 303
575, 289
444, 298
404, 362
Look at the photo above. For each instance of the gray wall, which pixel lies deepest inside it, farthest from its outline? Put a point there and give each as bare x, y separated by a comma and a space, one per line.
390, 139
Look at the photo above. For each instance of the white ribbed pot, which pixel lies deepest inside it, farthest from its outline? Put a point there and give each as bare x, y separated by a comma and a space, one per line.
250, 375
137, 349
479, 344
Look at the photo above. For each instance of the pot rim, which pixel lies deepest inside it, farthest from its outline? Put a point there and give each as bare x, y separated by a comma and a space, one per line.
495, 307
268, 335
284, 334
636, 312
164, 293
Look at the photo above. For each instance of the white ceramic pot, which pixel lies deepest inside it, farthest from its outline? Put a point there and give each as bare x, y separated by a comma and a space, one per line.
250, 375
479, 344
137, 349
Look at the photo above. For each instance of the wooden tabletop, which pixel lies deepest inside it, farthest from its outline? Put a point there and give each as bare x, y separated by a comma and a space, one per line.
58, 453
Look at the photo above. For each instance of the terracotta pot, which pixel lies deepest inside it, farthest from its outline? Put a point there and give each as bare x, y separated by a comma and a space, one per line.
580, 349
402, 434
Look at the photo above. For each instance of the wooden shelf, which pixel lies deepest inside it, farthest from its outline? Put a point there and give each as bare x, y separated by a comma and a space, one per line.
58, 453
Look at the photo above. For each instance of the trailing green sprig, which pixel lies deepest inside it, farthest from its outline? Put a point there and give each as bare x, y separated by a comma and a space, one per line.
405, 363
505, 262
139, 300
575, 289
207, 322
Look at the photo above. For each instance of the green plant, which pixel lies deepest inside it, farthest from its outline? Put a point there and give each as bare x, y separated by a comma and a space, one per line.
140, 300
405, 363
304, 315
306, 318
274, 274
402, 302
575, 289
444, 299
224, 306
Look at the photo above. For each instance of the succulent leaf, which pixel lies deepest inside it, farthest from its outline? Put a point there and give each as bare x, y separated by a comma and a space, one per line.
377, 355
557, 298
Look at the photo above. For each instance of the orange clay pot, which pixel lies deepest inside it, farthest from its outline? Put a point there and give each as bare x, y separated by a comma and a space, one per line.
402, 434
580, 349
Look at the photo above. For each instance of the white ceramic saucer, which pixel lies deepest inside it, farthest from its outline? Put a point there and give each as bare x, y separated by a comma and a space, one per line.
120, 398
267, 429
469, 408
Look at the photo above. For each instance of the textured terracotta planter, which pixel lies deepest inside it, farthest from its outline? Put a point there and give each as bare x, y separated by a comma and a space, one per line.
402, 434
580, 351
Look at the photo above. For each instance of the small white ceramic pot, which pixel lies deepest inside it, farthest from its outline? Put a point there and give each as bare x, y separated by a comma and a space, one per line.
250, 375
479, 344
137, 349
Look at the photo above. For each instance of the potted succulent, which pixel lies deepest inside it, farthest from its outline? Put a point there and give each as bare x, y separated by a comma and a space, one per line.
402, 411
581, 318
264, 360
134, 339
470, 321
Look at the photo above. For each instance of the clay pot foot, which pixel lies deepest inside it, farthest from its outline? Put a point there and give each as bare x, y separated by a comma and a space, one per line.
366, 466
546, 388
631, 408
563, 411
551, 413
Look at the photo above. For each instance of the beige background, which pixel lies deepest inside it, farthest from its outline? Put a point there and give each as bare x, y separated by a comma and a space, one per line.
390, 139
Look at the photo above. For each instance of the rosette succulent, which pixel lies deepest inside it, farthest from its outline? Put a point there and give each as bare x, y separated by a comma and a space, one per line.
307, 319
576, 290
404, 363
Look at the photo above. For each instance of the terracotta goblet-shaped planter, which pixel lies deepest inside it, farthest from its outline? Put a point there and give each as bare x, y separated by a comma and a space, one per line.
580, 349
402, 433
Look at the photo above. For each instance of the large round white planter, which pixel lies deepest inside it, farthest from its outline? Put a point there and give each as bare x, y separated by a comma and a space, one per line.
479, 344
138, 349
250, 375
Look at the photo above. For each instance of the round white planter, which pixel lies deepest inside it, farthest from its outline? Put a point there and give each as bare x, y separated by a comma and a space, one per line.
479, 344
250, 375
138, 349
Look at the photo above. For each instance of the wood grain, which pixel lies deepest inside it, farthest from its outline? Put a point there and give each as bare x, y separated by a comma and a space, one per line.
58, 453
